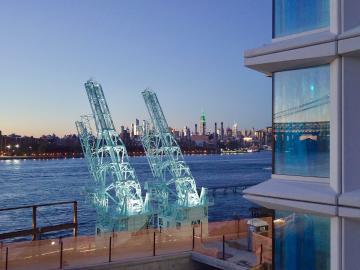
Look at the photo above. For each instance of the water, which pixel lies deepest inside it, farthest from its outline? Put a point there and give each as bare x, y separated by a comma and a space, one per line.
26, 182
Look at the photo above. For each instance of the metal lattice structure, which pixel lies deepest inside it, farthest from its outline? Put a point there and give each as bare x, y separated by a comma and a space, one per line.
117, 191
166, 160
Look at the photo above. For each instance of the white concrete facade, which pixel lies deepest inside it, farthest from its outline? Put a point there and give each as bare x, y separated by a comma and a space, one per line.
338, 196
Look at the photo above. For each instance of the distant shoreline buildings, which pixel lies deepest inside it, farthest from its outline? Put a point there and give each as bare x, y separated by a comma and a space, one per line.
199, 140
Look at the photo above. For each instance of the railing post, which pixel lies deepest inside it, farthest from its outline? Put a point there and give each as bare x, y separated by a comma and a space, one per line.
110, 250
238, 228
34, 226
75, 219
7, 258
201, 228
193, 238
61, 252
223, 248
154, 245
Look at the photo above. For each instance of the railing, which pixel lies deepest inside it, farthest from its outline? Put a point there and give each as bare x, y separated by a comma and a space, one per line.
36, 231
262, 248
221, 240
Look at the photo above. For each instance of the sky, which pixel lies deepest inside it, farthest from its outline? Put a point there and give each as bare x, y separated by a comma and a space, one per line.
189, 52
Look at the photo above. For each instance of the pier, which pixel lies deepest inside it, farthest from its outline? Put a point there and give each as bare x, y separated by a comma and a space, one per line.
228, 189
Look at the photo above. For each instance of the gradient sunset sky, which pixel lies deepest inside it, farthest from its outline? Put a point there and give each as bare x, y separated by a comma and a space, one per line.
189, 52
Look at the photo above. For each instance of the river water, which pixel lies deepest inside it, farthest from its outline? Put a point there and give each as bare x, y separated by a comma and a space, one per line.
26, 182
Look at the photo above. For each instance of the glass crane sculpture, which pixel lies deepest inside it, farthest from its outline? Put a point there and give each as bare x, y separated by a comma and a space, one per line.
168, 167
116, 192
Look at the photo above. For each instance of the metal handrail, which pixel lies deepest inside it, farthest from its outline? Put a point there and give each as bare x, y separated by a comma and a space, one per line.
37, 231
36, 205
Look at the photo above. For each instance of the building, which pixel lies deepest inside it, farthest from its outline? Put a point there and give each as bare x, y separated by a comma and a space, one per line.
215, 131
137, 128
222, 133
314, 62
1, 142
229, 133
202, 124
132, 134
260, 135
200, 140
268, 137
176, 133
235, 130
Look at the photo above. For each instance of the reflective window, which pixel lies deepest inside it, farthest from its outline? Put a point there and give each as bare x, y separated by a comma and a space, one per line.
302, 122
302, 242
296, 16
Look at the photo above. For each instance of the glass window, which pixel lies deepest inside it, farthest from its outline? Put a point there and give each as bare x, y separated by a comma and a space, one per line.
302, 122
296, 16
302, 241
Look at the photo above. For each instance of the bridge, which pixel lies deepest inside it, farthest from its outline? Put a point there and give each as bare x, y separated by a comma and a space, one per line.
303, 107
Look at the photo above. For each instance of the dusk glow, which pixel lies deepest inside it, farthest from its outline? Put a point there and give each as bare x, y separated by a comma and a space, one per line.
189, 52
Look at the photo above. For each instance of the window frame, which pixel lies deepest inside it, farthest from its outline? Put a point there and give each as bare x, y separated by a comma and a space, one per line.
330, 27
310, 178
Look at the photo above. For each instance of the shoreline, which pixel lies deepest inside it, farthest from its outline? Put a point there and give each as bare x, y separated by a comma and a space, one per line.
131, 155
37, 157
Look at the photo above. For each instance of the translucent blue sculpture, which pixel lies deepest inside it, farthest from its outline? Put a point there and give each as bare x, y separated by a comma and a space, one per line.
116, 192
169, 168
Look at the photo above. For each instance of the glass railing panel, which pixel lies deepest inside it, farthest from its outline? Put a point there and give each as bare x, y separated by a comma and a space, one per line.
127, 245
230, 240
85, 250
37, 255
245, 242
172, 240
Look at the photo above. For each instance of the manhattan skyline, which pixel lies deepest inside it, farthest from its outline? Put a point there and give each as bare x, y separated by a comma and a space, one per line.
190, 53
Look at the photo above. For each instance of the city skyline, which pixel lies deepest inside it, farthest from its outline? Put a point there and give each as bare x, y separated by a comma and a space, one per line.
186, 52
138, 123
227, 140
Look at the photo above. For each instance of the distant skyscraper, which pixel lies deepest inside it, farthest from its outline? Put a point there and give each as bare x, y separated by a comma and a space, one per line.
229, 132
132, 130
222, 130
137, 127
235, 129
185, 131
215, 132
144, 126
196, 129
1, 141
202, 124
